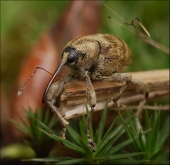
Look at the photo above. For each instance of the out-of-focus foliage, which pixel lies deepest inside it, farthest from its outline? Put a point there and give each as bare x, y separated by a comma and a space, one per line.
22, 23
154, 15
33, 136
141, 144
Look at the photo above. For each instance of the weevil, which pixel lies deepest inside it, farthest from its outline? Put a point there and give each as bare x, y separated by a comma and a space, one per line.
94, 57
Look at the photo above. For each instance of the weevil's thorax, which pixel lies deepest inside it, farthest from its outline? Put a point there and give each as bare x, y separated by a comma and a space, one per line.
80, 54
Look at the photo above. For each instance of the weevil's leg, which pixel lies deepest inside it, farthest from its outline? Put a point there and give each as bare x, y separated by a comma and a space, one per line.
116, 98
140, 86
54, 91
91, 144
91, 99
120, 78
63, 122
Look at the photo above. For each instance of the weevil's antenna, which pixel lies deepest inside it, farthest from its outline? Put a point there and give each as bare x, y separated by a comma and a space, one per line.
22, 88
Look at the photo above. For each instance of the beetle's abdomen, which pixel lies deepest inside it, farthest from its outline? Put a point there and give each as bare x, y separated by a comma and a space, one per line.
115, 55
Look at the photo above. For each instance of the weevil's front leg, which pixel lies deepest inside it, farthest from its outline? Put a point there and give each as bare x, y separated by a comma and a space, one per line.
54, 91
91, 99
63, 122
138, 84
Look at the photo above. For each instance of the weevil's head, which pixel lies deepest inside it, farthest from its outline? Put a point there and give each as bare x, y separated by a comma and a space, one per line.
77, 54
81, 53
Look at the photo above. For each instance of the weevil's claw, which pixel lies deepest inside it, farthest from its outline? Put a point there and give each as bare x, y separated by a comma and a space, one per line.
118, 105
63, 137
115, 103
19, 93
91, 145
63, 132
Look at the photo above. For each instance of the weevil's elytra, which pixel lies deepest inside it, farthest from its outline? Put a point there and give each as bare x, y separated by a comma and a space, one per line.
93, 57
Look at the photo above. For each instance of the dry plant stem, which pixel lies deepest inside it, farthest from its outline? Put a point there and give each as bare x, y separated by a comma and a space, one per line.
161, 107
146, 38
73, 98
140, 34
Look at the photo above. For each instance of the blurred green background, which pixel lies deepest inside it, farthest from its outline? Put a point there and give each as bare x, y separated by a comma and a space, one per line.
23, 22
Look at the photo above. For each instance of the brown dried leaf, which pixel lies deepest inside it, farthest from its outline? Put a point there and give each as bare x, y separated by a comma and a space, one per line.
80, 18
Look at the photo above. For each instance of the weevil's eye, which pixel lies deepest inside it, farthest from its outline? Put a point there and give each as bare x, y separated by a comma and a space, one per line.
71, 58
71, 54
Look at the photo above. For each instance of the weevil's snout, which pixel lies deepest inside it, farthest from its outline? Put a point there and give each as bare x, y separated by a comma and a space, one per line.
70, 58
52, 79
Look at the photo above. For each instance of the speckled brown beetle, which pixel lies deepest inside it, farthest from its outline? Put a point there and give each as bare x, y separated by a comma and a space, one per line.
94, 57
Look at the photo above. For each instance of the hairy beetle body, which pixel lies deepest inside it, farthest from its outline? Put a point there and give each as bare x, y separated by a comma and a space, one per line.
101, 54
